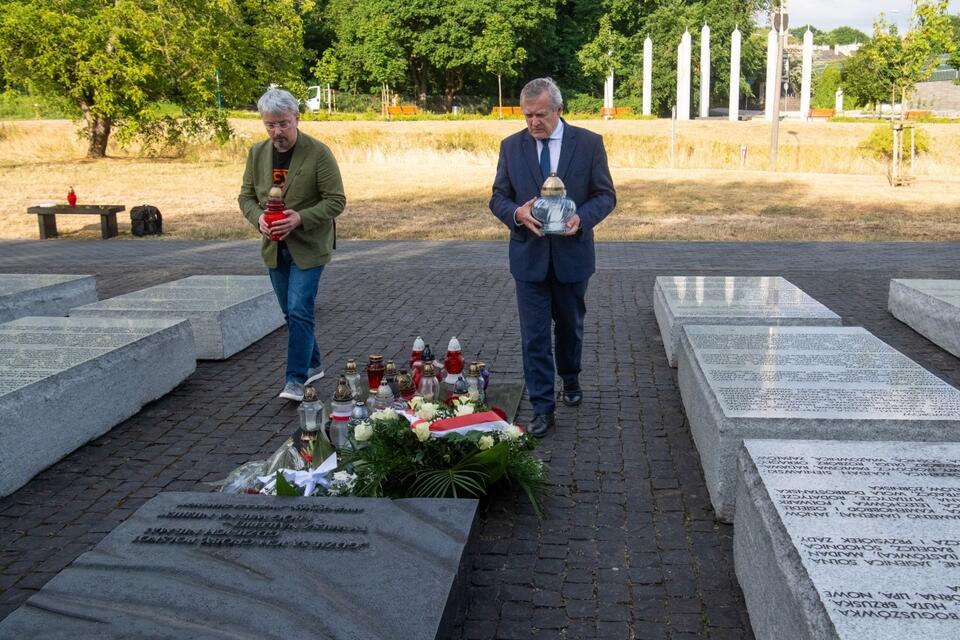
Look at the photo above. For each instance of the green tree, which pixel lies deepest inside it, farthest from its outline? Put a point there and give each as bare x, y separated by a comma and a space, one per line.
499, 52
605, 53
424, 41
117, 60
889, 66
955, 56
845, 35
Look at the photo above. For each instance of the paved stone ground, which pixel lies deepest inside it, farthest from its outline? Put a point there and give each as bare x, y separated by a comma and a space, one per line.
629, 547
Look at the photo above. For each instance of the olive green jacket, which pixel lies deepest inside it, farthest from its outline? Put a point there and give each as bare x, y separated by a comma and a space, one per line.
313, 189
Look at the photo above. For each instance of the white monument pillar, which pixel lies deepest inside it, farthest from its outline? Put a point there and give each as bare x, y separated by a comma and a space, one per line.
705, 72
734, 104
647, 75
805, 77
683, 78
608, 92
771, 75
838, 102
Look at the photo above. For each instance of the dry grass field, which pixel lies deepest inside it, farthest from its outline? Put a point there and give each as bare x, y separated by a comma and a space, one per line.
431, 180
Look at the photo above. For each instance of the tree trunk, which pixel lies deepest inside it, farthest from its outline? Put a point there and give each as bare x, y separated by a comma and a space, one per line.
500, 97
418, 72
452, 85
98, 130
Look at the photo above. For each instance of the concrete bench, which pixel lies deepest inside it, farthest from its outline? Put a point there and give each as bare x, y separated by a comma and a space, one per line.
47, 217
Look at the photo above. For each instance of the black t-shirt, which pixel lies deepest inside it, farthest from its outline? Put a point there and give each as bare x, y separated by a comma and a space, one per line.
281, 163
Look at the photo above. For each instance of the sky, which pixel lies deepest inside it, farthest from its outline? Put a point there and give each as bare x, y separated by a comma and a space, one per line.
829, 14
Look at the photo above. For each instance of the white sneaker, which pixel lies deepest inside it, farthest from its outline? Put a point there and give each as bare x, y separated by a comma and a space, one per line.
292, 391
313, 375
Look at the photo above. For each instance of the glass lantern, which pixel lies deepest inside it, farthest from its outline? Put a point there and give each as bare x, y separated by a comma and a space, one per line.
353, 378
311, 410
405, 385
429, 388
474, 382
453, 362
553, 208
383, 399
375, 370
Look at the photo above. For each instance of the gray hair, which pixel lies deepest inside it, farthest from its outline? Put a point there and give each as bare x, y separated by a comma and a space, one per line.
278, 101
537, 87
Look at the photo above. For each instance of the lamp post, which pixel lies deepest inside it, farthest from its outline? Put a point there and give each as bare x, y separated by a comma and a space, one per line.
780, 19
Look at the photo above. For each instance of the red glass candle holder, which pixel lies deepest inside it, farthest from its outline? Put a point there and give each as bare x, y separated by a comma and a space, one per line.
375, 370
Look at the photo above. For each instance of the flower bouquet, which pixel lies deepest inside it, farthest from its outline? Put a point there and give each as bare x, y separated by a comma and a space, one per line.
454, 449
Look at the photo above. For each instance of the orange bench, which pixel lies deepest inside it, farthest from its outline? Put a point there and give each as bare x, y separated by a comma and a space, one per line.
403, 110
507, 111
616, 111
822, 113
915, 114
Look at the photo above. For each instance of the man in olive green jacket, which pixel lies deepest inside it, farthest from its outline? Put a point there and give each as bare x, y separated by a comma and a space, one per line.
313, 197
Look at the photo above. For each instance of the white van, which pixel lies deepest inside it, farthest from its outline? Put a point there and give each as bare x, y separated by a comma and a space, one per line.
313, 101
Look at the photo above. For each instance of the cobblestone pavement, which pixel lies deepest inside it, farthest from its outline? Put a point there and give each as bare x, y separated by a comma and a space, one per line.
629, 547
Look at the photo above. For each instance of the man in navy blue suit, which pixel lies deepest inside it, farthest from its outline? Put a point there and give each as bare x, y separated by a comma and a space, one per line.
551, 271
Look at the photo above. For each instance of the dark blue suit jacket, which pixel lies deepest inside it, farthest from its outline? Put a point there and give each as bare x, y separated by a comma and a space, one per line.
584, 171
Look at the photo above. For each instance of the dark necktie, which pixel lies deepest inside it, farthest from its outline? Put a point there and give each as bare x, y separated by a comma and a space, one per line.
545, 159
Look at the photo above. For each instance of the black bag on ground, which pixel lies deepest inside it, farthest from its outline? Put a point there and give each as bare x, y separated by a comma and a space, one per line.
146, 220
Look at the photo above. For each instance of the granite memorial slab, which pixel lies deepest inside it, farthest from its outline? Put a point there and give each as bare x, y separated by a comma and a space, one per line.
26, 294
830, 383
227, 313
66, 381
204, 565
681, 300
849, 540
929, 307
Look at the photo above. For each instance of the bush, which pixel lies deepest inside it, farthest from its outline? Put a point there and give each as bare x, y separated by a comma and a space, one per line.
582, 103
880, 142
21, 106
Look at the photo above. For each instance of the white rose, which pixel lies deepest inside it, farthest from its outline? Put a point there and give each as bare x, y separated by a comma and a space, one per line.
363, 431
384, 414
485, 442
464, 400
465, 409
423, 431
511, 432
427, 410
415, 402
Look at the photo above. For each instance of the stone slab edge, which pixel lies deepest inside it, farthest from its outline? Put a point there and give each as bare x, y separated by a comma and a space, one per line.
931, 317
47, 419
217, 334
670, 327
713, 432
781, 599
49, 300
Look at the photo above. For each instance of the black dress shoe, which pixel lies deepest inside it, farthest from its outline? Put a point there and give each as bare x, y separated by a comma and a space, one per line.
572, 396
541, 424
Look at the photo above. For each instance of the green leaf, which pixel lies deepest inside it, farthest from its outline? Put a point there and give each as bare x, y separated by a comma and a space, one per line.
456, 482
494, 460
284, 488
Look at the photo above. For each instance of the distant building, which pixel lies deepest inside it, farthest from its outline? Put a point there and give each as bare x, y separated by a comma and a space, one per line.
941, 93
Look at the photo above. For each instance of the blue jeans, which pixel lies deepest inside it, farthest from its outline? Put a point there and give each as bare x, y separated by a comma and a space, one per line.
296, 291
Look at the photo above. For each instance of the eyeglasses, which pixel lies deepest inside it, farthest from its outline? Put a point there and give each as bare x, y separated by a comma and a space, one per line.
283, 124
